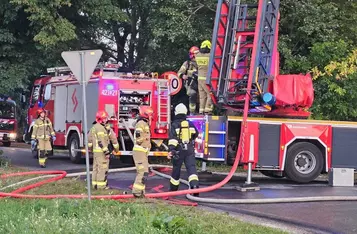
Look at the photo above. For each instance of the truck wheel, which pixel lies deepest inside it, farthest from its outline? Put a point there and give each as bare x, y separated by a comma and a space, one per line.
7, 144
304, 162
272, 174
73, 143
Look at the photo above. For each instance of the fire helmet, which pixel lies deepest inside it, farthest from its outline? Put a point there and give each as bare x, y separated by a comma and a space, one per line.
206, 44
145, 112
101, 116
193, 51
180, 109
39, 111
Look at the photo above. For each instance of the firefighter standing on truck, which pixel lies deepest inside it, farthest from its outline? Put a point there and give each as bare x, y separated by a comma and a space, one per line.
43, 133
202, 60
181, 149
99, 138
141, 149
188, 72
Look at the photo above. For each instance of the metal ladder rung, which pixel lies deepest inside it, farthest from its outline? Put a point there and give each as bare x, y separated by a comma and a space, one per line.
217, 132
216, 146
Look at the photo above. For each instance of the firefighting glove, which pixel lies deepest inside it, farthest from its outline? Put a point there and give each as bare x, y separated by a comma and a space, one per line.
33, 144
175, 154
106, 153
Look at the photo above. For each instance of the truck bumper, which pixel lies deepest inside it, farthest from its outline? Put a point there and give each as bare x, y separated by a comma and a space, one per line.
7, 137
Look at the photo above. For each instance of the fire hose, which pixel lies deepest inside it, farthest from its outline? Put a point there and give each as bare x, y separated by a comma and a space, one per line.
58, 175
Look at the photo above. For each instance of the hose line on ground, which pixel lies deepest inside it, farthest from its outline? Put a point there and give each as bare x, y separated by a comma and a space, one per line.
259, 200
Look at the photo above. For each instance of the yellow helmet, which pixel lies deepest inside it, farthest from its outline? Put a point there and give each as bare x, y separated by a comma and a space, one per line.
205, 44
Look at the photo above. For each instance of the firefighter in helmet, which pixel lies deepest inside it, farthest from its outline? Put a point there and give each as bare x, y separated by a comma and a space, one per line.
141, 149
202, 60
181, 148
188, 72
99, 139
43, 133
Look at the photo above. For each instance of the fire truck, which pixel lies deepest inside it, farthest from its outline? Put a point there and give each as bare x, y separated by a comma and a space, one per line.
118, 92
281, 141
8, 122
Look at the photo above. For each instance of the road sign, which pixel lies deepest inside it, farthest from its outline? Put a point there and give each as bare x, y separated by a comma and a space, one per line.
88, 58
82, 63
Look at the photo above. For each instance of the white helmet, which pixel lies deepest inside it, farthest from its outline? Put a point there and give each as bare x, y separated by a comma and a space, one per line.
180, 109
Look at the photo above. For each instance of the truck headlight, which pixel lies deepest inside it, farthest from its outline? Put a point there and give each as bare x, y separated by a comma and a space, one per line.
12, 135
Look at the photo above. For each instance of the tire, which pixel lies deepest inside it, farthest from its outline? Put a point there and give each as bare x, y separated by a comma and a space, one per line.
7, 144
272, 174
304, 162
73, 143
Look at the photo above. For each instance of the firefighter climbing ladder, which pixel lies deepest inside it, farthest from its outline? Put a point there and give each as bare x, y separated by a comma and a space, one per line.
243, 39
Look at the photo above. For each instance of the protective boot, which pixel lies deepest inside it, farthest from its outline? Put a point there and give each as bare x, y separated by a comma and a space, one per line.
195, 187
173, 187
42, 159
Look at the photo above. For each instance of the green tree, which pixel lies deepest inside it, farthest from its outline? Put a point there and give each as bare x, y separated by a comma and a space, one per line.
335, 92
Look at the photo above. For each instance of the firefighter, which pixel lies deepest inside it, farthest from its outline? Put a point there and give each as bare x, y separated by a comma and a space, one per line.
141, 149
181, 149
99, 140
188, 72
202, 60
42, 133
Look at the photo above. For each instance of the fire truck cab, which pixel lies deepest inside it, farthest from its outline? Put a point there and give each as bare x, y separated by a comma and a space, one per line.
8, 122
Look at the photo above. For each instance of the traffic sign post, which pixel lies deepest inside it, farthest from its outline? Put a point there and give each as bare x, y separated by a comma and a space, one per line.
82, 64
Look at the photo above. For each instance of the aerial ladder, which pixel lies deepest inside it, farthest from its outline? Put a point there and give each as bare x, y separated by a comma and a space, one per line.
244, 47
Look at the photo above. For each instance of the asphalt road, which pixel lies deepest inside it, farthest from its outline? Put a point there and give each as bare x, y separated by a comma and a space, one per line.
311, 217
21, 157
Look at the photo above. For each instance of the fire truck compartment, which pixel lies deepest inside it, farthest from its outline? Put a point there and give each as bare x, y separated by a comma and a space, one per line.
344, 142
269, 138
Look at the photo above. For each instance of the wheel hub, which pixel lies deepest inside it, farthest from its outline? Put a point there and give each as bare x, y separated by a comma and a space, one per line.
305, 162
301, 162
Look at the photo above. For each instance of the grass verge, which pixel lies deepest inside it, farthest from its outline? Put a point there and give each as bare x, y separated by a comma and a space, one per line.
103, 216
79, 216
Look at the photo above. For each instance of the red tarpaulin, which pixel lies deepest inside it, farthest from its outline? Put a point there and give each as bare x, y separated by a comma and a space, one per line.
294, 90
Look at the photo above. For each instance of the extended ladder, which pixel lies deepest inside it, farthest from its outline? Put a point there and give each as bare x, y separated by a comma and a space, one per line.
244, 44
163, 104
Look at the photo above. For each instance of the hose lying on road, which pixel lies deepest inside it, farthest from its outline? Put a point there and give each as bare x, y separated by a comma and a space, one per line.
259, 200
57, 175
73, 175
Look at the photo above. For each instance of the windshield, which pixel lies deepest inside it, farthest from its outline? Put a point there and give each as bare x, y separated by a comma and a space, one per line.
7, 125
7, 110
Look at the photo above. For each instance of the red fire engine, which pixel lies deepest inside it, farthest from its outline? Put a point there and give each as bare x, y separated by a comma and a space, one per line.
119, 93
8, 122
244, 52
